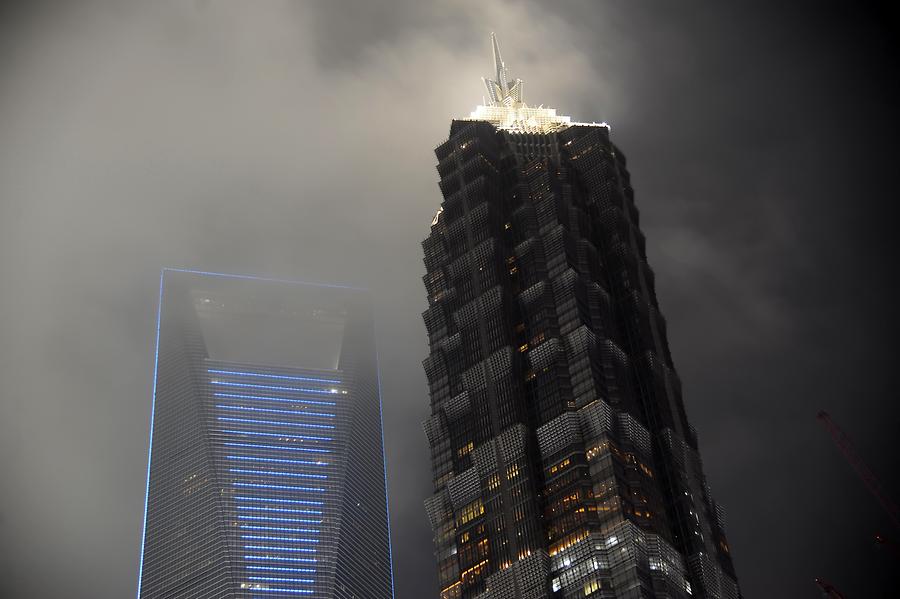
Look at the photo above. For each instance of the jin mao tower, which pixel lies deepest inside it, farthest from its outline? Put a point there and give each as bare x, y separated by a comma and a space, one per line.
563, 461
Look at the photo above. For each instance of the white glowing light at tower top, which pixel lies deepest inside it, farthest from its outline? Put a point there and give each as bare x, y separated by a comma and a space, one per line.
505, 106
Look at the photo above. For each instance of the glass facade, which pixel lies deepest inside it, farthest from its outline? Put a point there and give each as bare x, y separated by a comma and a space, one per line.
563, 461
266, 474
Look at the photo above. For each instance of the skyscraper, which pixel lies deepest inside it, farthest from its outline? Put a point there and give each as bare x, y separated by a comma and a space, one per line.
266, 475
563, 462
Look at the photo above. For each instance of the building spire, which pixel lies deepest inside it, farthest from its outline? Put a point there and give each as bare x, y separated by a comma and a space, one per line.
505, 107
499, 90
499, 67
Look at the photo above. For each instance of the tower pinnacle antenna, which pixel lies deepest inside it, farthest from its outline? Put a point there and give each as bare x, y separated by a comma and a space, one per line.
500, 91
498, 60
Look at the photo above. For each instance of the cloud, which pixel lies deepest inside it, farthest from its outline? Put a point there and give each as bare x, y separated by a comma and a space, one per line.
296, 139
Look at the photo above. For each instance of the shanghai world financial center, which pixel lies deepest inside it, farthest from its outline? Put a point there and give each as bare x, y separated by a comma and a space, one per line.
266, 474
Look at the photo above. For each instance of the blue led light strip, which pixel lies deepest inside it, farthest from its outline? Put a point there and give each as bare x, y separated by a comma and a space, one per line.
291, 580
292, 549
296, 400
280, 435
314, 531
272, 509
283, 487
279, 539
274, 473
276, 558
274, 500
278, 447
274, 411
274, 422
276, 387
277, 569
298, 591
286, 520
254, 508
250, 458
273, 376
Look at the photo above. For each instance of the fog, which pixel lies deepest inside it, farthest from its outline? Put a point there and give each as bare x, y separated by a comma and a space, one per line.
295, 140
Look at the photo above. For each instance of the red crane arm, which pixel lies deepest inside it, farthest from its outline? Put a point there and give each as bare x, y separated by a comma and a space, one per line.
828, 589
862, 470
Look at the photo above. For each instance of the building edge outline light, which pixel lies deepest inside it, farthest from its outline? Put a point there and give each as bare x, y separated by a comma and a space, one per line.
387, 509
162, 275
207, 273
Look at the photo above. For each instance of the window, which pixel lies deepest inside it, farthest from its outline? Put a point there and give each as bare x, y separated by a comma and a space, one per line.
471, 511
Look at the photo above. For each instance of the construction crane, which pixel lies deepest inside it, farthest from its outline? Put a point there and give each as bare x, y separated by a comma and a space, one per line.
828, 590
862, 470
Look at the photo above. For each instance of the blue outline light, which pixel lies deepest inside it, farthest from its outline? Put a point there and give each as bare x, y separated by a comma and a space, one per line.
273, 376
276, 473
280, 399
283, 487
150, 447
277, 447
257, 278
387, 509
274, 387
274, 411
281, 435
303, 591
274, 422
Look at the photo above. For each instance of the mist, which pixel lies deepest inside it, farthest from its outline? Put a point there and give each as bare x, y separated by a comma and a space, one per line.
295, 140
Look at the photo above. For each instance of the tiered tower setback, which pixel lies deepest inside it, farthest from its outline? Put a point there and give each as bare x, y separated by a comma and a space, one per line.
563, 462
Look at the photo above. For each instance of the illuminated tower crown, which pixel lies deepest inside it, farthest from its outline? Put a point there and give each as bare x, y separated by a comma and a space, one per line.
505, 107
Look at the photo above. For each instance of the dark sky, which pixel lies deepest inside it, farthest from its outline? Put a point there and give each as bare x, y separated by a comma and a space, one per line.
295, 139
